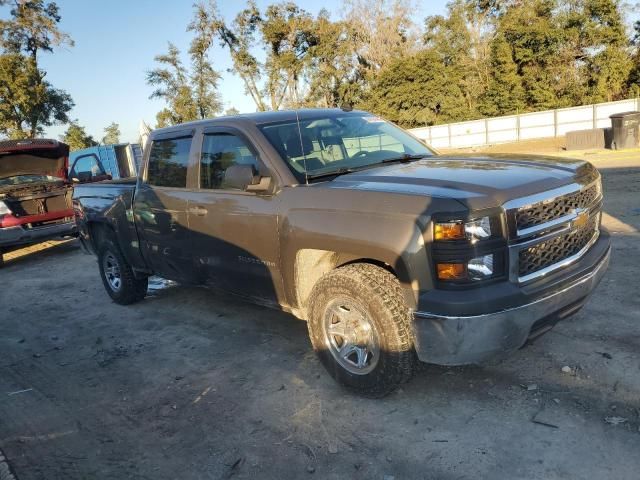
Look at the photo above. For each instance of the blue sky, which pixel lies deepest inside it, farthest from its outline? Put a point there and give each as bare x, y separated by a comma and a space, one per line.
115, 43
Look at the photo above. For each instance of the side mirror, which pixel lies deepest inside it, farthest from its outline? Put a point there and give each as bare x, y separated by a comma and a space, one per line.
84, 177
245, 177
75, 180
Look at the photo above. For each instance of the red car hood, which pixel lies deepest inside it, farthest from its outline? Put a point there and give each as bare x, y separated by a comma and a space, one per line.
37, 156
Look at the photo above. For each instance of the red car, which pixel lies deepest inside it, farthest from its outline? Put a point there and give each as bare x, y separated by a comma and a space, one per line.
35, 192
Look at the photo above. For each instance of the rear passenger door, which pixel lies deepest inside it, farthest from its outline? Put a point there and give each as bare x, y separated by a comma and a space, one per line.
235, 233
161, 204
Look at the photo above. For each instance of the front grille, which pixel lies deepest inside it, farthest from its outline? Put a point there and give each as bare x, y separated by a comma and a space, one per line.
542, 255
544, 212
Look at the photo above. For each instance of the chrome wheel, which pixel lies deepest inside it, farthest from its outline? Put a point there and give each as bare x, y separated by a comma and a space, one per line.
351, 336
112, 271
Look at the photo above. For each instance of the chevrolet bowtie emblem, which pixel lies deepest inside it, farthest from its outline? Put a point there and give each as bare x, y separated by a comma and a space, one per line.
582, 217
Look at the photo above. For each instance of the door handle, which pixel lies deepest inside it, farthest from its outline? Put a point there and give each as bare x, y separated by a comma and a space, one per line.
199, 211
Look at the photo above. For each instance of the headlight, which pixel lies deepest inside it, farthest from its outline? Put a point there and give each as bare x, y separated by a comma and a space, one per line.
472, 230
479, 268
4, 210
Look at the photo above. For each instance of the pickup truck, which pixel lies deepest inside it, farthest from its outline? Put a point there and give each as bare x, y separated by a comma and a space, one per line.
104, 162
35, 192
391, 252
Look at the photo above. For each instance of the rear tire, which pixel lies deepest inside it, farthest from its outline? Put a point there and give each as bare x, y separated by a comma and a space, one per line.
360, 328
117, 276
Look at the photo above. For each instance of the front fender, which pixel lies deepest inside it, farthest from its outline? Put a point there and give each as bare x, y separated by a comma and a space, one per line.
395, 240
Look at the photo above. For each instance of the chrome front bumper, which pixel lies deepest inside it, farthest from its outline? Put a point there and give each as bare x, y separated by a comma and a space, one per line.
462, 340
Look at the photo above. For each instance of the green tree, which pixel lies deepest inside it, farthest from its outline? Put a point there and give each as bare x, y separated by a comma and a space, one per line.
77, 138
33, 27
232, 111
189, 94
204, 79
171, 82
286, 32
313, 61
535, 38
462, 38
568, 53
634, 76
415, 91
609, 67
28, 103
331, 72
505, 94
239, 38
382, 31
111, 134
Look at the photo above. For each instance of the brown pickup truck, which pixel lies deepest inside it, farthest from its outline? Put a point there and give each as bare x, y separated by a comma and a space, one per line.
391, 252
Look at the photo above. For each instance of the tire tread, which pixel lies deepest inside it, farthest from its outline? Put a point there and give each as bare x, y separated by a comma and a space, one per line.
371, 279
133, 289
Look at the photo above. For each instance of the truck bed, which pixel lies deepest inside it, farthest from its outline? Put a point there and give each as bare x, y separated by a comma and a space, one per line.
108, 204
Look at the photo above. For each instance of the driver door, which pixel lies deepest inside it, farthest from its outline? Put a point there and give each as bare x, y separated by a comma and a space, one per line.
234, 233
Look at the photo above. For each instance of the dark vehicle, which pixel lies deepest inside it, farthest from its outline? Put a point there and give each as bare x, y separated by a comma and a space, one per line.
35, 193
391, 252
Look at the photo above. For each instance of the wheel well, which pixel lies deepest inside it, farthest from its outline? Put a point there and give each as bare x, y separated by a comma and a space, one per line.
98, 232
312, 264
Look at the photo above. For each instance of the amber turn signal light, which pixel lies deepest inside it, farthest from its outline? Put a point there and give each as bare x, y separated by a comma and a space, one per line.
449, 231
451, 271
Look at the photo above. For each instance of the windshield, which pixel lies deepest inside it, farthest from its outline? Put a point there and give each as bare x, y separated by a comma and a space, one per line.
21, 179
337, 144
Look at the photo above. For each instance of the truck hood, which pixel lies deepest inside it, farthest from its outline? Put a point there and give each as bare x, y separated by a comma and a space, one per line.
477, 181
37, 157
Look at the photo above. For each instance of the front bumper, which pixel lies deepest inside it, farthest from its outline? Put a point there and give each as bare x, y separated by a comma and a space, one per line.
11, 236
457, 339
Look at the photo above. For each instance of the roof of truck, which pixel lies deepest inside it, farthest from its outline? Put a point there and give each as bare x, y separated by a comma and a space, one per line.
259, 118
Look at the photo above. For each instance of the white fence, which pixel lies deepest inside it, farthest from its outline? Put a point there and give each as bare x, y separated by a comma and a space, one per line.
524, 126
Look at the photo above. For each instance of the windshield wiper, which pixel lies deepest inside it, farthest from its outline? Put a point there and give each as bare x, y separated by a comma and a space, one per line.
332, 173
407, 157
341, 171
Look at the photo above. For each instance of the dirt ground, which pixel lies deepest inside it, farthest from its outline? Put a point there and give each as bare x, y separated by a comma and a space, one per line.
541, 146
192, 385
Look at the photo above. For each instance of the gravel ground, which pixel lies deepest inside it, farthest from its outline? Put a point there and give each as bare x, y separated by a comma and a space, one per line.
190, 384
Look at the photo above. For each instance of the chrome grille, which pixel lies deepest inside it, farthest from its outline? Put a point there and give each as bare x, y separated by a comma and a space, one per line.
552, 229
550, 252
544, 212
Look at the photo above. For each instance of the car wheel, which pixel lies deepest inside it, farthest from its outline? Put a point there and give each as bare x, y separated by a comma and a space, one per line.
360, 327
117, 276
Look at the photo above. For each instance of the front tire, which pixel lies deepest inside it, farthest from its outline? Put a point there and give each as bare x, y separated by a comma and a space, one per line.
360, 327
117, 276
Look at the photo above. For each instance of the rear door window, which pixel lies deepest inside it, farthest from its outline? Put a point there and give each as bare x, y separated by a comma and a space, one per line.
168, 161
